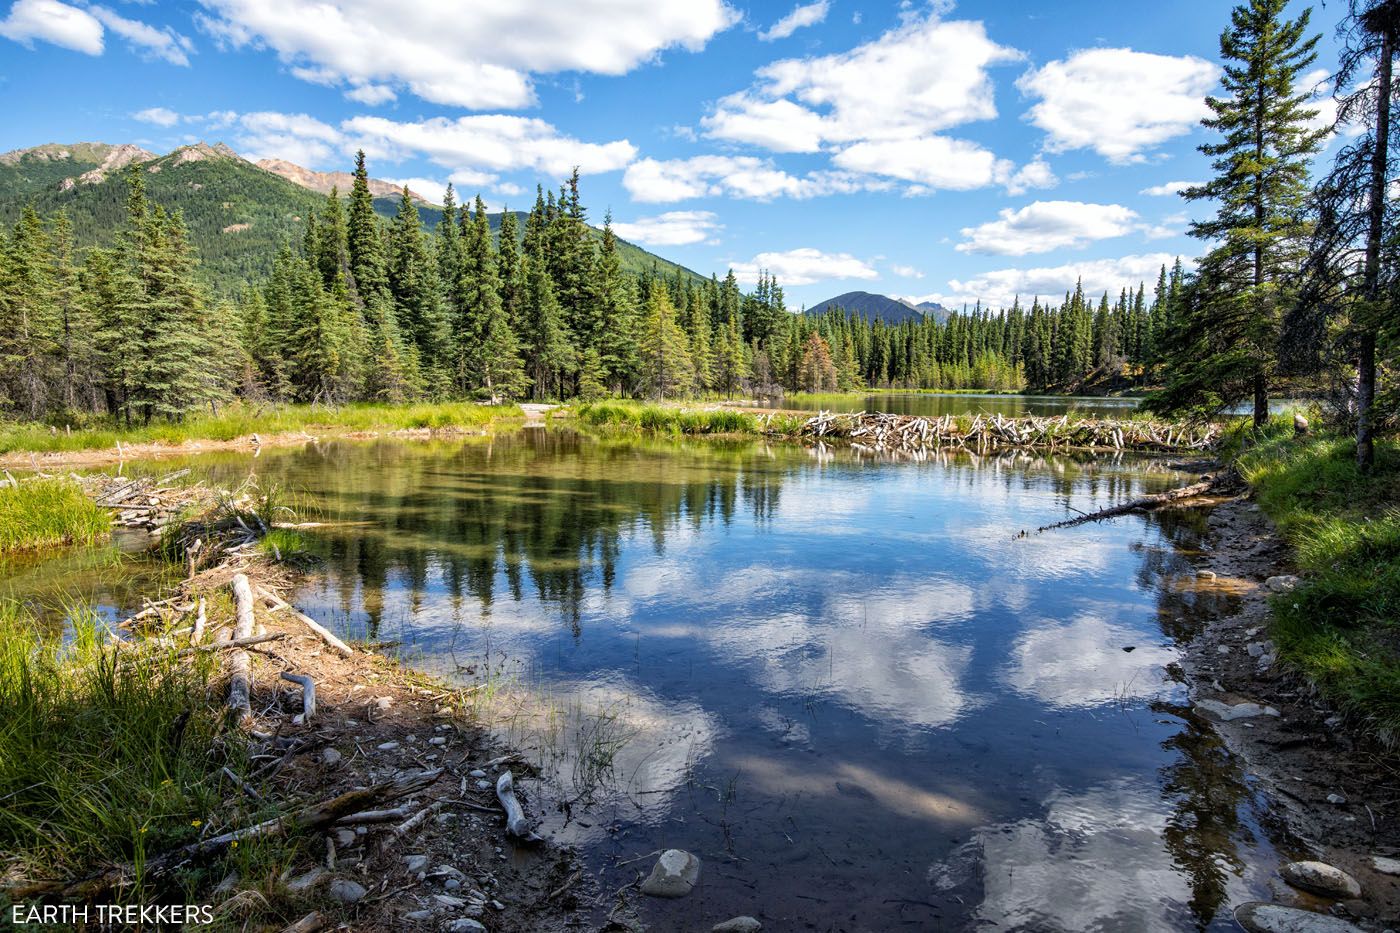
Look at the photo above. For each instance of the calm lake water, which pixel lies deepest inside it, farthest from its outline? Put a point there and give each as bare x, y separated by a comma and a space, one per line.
846, 683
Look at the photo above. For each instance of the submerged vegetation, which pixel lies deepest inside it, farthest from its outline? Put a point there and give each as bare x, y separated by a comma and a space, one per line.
47, 513
1339, 626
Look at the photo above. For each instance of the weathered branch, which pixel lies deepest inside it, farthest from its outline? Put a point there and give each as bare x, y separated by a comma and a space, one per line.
1144, 504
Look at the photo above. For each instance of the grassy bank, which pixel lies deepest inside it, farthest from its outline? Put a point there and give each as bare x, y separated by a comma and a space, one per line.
1341, 627
107, 755
48, 513
241, 420
666, 419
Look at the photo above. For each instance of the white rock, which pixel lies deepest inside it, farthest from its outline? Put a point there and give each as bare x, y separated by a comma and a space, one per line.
447, 900
1321, 878
417, 915
437, 740
465, 925
1388, 866
1282, 583
344, 837
478, 773
483, 785
330, 757
1226, 712
1222, 649
346, 891
674, 874
1205, 574
387, 746
737, 925
1337, 799
1255, 649
1263, 917
413, 864
307, 881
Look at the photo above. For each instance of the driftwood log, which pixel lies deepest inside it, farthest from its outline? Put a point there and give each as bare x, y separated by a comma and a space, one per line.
517, 823
325, 634
1144, 504
237, 663
308, 693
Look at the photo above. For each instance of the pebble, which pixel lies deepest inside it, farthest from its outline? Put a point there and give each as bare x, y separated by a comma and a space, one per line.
307, 881
1387, 866
1227, 712
1205, 574
1337, 799
447, 900
415, 863
1222, 649
330, 757
1263, 917
452, 884
346, 891
478, 773
416, 915
1255, 649
344, 837
387, 746
737, 925
674, 874
1282, 583
483, 785
465, 925
1321, 878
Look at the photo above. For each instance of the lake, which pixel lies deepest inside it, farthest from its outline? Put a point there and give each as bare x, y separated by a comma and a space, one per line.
848, 684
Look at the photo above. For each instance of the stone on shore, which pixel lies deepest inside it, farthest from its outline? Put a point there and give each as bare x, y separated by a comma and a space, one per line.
674, 874
737, 925
1226, 712
1263, 917
1282, 583
1321, 878
346, 891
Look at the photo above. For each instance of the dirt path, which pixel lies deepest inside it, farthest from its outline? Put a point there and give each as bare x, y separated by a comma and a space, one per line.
1338, 797
536, 413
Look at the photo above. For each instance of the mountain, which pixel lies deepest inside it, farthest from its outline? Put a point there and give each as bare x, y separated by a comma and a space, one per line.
870, 306
324, 182
934, 310
238, 213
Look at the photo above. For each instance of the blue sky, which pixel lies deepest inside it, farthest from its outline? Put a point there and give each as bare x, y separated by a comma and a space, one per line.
941, 151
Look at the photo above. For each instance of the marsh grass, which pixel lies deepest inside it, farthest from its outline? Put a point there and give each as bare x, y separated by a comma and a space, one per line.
665, 419
242, 420
47, 513
1341, 627
107, 755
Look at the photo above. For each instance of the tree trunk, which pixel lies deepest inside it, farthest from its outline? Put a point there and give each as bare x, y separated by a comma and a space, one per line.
1261, 399
1366, 357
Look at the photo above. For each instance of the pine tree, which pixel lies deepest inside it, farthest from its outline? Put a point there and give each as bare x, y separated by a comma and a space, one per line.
616, 304
1226, 347
547, 352
30, 322
417, 294
816, 372
666, 369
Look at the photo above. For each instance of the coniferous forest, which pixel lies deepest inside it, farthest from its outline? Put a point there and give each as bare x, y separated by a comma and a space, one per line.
1297, 283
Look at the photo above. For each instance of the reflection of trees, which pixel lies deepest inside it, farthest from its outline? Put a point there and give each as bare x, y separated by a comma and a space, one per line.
1204, 785
550, 506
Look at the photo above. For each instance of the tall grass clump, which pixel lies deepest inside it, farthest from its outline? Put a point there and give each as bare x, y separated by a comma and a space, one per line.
664, 419
46, 513
107, 755
1341, 626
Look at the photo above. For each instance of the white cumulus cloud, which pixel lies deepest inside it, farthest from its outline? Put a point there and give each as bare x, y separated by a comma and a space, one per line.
1000, 287
673, 228
1118, 102
807, 15
478, 55
666, 181
804, 267
1043, 226
165, 44
84, 28
1168, 188
160, 116
922, 77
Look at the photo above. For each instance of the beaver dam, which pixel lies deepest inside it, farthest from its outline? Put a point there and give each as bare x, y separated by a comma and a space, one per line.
981, 433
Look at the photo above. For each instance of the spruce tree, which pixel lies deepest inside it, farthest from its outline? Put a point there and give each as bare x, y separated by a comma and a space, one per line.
666, 369
1226, 347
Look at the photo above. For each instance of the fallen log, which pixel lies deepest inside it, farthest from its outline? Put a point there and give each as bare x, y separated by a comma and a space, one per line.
1143, 504
239, 667
308, 693
517, 824
325, 634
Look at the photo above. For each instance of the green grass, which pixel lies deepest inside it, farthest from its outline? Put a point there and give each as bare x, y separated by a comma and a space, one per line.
664, 419
241, 420
47, 513
1341, 627
96, 767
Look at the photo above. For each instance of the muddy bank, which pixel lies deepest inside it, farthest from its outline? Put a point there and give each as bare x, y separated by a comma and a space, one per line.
1337, 797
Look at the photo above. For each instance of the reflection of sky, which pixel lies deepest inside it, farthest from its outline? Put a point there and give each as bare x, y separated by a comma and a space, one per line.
878, 644
1093, 861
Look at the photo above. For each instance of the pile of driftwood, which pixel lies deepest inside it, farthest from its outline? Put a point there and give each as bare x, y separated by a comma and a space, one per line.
145, 502
985, 433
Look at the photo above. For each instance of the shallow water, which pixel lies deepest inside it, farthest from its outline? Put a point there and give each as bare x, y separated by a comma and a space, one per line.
846, 683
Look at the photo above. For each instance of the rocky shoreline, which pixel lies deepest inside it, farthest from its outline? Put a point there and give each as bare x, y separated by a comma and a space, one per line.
1337, 797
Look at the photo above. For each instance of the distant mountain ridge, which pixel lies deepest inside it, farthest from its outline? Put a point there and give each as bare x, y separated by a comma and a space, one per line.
875, 307
239, 213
